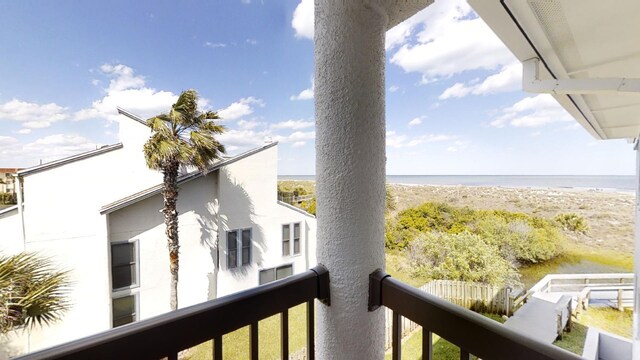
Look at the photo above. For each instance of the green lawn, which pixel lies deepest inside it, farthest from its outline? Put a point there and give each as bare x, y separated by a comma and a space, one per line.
607, 319
236, 344
442, 349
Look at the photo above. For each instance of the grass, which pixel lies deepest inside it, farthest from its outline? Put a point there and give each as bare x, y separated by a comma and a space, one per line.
607, 319
442, 349
236, 344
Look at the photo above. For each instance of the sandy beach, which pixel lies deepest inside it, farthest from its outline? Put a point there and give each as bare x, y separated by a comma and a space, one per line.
609, 214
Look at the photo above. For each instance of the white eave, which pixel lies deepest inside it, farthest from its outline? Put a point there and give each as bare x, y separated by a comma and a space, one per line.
588, 52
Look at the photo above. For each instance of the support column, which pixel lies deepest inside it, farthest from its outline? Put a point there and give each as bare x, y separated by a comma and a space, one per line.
350, 172
636, 264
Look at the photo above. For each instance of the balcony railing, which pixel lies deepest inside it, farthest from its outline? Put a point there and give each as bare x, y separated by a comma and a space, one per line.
472, 332
167, 334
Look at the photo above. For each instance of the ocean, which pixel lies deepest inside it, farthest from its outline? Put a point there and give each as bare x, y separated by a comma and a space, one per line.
598, 182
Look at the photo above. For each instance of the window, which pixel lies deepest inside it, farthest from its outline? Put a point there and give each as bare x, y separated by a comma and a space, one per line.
124, 265
124, 310
277, 273
238, 240
287, 233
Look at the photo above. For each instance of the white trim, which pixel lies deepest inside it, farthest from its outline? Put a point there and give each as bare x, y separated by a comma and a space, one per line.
238, 232
136, 283
136, 304
531, 82
275, 274
291, 226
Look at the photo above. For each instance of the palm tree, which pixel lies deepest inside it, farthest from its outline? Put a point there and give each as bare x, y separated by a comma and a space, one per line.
184, 137
32, 292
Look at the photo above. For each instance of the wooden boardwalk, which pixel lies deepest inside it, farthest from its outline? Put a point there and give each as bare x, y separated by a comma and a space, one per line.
543, 317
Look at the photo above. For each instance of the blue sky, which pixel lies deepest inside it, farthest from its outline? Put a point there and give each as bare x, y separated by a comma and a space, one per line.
454, 104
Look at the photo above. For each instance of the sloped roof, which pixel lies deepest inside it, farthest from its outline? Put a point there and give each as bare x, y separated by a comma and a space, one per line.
577, 40
69, 159
157, 189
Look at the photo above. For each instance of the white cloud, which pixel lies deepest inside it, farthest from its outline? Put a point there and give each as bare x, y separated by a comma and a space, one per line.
394, 88
302, 21
48, 148
532, 112
293, 124
508, 79
240, 108
122, 77
452, 40
248, 124
458, 146
251, 41
396, 140
416, 121
306, 94
214, 45
24, 131
32, 115
236, 140
126, 90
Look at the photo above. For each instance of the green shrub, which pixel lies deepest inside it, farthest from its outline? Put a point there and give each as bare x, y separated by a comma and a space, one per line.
309, 206
573, 222
463, 256
519, 237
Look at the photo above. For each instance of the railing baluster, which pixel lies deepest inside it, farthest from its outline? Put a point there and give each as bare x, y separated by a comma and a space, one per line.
464, 354
217, 348
310, 330
427, 344
254, 341
396, 351
284, 330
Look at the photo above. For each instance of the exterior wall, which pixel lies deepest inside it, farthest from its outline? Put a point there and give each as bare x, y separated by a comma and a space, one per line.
144, 222
68, 227
248, 199
10, 233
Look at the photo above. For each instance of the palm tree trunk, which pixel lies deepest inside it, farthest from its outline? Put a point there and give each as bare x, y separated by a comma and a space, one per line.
170, 194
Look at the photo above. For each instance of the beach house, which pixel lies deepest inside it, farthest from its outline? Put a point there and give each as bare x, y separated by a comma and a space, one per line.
107, 230
585, 52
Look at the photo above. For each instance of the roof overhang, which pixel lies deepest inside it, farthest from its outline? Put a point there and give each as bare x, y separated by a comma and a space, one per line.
590, 40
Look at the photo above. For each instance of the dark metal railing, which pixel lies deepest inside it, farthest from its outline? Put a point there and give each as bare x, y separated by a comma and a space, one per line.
168, 334
472, 332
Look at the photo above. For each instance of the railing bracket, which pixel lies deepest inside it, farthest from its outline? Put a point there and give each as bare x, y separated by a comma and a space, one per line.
324, 294
375, 288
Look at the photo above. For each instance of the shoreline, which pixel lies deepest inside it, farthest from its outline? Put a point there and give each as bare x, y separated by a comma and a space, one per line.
553, 188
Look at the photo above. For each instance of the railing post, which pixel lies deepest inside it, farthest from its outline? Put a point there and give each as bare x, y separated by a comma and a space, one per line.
396, 343
427, 344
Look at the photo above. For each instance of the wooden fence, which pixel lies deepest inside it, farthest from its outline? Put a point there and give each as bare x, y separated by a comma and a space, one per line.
474, 296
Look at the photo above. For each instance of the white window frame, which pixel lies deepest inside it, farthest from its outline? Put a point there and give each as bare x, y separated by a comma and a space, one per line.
292, 247
275, 272
136, 305
136, 283
238, 232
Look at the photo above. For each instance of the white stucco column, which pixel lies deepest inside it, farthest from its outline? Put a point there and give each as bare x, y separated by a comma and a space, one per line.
636, 264
350, 172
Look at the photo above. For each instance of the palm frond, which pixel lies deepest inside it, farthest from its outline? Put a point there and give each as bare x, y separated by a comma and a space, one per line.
32, 291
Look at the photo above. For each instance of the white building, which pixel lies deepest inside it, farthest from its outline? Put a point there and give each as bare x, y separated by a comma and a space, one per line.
7, 180
108, 231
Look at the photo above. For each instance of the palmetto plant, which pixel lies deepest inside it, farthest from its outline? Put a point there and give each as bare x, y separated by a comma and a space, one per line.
183, 137
32, 291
